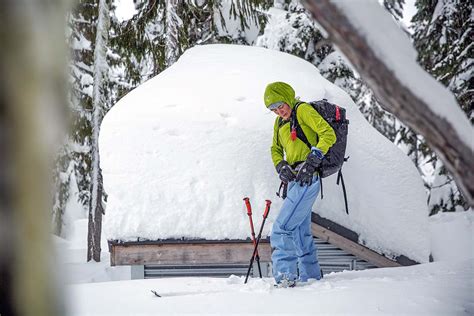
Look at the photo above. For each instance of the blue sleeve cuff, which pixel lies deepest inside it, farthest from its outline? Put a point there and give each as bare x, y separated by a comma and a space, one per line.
317, 152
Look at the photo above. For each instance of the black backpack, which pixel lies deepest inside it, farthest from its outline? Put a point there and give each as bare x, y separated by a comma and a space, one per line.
336, 118
335, 157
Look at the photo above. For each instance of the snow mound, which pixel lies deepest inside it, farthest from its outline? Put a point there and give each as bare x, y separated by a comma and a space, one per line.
181, 151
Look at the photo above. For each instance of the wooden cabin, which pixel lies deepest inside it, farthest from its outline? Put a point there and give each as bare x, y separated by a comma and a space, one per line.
338, 250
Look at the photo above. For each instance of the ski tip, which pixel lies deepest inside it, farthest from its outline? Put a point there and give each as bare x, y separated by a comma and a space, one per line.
156, 294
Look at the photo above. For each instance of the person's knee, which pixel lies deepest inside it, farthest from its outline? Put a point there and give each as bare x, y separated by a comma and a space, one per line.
281, 228
278, 235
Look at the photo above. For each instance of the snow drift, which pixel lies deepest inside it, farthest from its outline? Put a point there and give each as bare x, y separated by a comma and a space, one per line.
180, 152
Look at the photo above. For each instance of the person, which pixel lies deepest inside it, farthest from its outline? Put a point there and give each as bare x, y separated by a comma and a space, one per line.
294, 256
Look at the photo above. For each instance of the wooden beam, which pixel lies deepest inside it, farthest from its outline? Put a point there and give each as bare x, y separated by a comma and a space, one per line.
352, 247
186, 253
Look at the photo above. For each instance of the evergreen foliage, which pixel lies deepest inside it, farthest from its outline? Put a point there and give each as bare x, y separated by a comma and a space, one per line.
395, 7
443, 33
75, 156
292, 30
443, 38
74, 162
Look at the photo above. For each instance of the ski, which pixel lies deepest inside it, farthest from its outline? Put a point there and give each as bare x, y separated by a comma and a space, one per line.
156, 294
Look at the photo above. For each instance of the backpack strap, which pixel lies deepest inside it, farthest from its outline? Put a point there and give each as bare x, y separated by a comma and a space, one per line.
299, 131
280, 124
340, 178
321, 183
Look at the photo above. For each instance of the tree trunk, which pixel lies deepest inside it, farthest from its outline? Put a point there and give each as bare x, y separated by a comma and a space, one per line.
171, 36
396, 98
32, 99
99, 101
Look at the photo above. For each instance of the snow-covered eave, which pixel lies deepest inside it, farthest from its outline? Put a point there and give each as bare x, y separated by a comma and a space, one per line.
348, 240
203, 251
186, 252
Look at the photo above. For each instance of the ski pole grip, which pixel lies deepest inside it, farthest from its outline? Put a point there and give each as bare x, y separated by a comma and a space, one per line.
247, 204
267, 208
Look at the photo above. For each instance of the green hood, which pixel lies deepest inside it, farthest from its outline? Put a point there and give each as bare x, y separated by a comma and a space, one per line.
279, 91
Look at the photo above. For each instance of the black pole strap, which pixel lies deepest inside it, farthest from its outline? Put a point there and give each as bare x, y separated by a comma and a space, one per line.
284, 187
321, 184
341, 178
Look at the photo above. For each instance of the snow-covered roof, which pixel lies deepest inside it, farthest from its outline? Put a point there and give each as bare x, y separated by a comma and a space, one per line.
181, 151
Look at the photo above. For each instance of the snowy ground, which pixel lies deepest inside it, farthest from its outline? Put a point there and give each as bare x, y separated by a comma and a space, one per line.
388, 207
427, 289
72, 256
440, 288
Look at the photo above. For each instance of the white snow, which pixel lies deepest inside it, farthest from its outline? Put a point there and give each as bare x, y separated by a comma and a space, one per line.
427, 289
277, 30
394, 47
181, 151
409, 10
73, 267
125, 9
441, 288
74, 210
81, 43
452, 236
232, 23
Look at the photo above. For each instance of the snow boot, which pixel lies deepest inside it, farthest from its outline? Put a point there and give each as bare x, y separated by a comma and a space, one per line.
285, 283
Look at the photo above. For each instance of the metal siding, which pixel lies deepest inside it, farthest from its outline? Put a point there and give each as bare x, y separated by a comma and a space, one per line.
331, 259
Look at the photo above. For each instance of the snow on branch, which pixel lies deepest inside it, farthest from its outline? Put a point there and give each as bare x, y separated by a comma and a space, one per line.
385, 58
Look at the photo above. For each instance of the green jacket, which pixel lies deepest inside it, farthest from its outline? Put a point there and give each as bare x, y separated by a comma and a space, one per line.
319, 133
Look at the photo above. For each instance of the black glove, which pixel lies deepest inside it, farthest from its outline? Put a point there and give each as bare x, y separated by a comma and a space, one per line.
309, 167
285, 172
305, 174
314, 158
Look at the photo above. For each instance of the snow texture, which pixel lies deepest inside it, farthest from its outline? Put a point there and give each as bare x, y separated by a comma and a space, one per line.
428, 289
181, 151
394, 47
71, 255
441, 288
452, 236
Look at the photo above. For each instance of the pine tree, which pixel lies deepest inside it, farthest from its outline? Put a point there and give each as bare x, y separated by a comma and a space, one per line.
443, 32
443, 38
172, 25
395, 7
62, 176
77, 148
137, 45
78, 161
100, 105
292, 30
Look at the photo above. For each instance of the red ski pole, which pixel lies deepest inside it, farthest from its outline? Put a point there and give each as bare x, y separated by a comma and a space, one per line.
265, 215
252, 229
